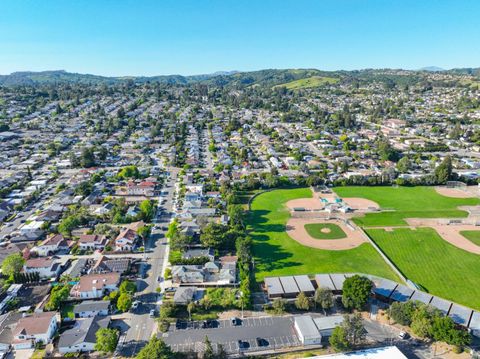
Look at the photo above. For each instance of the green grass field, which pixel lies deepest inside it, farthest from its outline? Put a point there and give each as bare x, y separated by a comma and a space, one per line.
472, 236
309, 82
315, 230
426, 259
406, 202
277, 254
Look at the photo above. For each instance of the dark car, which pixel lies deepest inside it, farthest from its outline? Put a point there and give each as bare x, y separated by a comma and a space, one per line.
243, 345
236, 321
262, 342
210, 323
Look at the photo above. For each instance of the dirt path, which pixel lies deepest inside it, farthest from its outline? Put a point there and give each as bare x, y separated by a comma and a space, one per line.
296, 230
468, 192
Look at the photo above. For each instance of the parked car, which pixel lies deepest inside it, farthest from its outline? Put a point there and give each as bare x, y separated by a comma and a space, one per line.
135, 304
152, 313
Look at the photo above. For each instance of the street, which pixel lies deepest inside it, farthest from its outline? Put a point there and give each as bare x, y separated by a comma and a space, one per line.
140, 325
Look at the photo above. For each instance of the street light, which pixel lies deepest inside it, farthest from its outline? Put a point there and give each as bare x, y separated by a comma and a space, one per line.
241, 300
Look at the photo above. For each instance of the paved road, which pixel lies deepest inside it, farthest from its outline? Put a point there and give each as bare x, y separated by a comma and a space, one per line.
141, 325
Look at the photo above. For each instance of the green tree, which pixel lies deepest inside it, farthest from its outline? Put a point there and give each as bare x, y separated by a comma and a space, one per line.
354, 329
302, 302
124, 302
13, 263
443, 172
356, 292
128, 286
87, 158
324, 298
167, 309
402, 312
208, 352
190, 309
278, 306
338, 340
213, 235
403, 165
147, 208
155, 349
106, 340
58, 295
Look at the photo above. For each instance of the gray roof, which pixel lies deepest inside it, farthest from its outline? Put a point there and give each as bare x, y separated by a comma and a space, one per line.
324, 281
329, 322
421, 297
306, 326
385, 288
475, 321
83, 331
338, 280
289, 285
273, 285
460, 314
402, 293
91, 306
184, 295
441, 304
304, 283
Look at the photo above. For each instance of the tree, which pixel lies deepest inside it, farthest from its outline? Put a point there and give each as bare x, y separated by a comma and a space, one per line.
155, 349
402, 312
190, 309
302, 302
124, 302
278, 306
58, 295
403, 165
443, 172
128, 287
13, 263
147, 208
106, 340
208, 352
324, 298
356, 292
338, 340
87, 158
167, 309
354, 329
213, 235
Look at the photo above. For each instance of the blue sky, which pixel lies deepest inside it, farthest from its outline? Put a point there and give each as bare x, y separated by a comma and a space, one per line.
126, 37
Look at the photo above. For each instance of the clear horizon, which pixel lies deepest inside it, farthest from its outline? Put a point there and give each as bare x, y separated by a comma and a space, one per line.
146, 38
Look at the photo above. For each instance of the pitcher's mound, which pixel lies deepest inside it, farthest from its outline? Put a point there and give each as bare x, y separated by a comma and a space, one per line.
325, 230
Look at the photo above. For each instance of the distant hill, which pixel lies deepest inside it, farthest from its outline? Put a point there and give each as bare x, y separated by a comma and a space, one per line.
291, 78
432, 69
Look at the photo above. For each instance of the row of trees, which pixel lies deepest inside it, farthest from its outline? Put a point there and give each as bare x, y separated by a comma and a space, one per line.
428, 322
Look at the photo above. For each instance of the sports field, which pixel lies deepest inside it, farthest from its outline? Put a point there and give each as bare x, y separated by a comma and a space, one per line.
426, 259
472, 236
325, 231
277, 254
406, 202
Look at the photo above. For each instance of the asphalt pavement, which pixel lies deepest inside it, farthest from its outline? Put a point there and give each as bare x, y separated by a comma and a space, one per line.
140, 325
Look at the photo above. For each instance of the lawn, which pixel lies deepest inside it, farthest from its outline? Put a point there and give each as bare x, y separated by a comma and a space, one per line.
426, 259
277, 254
330, 231
309, 82
472, 236
406, 202
67, 311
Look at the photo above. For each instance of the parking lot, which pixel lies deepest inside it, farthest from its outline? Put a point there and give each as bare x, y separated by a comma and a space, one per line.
250, 334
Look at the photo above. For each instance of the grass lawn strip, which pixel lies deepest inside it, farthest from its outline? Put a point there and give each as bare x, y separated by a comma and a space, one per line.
472, 236
325, 231
426, 259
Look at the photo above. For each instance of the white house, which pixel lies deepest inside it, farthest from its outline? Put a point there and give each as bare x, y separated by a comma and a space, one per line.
37, 328
82, 338
92, 241
96, 285
91, 308
51, 245
46, 267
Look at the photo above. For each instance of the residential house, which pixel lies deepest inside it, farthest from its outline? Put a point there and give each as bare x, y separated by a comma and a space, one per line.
125, 241
91, 308
96, 285
52, 245
46, 267
82, 337
37, 328
107, 265
92, 241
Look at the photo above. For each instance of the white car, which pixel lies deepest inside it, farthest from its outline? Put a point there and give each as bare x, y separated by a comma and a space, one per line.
135, 304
